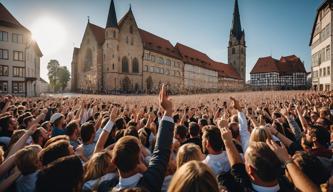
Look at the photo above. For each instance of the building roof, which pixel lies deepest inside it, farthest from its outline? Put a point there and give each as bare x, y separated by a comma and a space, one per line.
321, 7
98, 32
76, 51
286, 65
193, 56
37, 49
226, 70
236, 29
112, 17
43, 81
7, 19
158, 44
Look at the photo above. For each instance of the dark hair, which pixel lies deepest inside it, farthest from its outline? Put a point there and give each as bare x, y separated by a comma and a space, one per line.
312, 167
36, 135
213, 135
176, 118
131, 131
87, 131
181, 131
126, 153
322, 135
57, 177
194, 129
4, 125
27, 119
70, 128
54, 151
203, 122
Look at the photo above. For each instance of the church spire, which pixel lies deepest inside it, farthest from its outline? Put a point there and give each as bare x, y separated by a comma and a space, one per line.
112, 17
236, 29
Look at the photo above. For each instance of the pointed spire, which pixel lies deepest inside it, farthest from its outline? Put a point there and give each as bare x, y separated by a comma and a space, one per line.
112, 17
236, 29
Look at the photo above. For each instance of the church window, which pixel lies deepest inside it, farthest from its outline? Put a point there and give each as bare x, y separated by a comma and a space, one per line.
112, 66
127, 40
132, 41
124, 65
131, 29
135, 65
88, 60
233, 51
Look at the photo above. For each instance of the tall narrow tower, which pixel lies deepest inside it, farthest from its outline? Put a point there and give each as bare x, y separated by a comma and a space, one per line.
111, 48
237, 46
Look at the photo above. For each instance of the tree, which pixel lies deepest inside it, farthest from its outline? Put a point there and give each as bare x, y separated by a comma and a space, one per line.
58, 75
52, 67
63, 77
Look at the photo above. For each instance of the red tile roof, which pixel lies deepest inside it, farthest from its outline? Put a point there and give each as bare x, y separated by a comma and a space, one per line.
286, 65
158, 44
98, 32
7, 19
226, 70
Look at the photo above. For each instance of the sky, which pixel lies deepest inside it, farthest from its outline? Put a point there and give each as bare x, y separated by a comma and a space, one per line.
272, 27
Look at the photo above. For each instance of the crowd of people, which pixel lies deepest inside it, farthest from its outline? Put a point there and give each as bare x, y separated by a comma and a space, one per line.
263, 142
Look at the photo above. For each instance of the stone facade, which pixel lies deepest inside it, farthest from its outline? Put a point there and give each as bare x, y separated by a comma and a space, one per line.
19, 58
124, 58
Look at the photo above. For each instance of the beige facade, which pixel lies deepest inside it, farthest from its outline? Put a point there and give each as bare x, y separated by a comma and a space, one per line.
196, 78
19, 58
321, 49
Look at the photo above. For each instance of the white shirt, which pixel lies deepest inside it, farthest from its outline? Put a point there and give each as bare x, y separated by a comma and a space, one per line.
128, 182
218, 163
265, 189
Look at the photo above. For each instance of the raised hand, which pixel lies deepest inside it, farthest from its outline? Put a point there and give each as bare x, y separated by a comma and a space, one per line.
226, 134
165, 102
280, 151
114, 114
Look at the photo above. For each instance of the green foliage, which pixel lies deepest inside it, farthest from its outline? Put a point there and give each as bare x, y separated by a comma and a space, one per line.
58, 75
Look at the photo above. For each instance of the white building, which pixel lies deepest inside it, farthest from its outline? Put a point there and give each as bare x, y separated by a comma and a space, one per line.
321, 51
19, 58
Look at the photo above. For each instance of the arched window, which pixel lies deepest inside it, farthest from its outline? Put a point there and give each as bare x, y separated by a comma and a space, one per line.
135, 65
124, 65
233, 50
88, 60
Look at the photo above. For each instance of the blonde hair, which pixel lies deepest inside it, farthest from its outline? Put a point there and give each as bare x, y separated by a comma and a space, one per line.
97, 166
27, 159
187, 153
260, 134
193, 176
55, 139
2, 155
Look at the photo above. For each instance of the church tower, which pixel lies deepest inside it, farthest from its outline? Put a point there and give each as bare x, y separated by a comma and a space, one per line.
237, 46
111, 49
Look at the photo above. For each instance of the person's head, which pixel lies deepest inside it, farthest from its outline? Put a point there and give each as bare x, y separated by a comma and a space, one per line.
311, 166
40, 136
98, 165
64, 174
193, 176
260, 134
27, 121
126, 154
55, 151
194, 129
55, 139
46, 125
72, 130
180, 133
261, 163
324, 113
57, 120
314, 116
8, 124
131, 131
87, 133
212, 142
17, 134
203, 122
27, 159
187, 153
317, 135
234, 128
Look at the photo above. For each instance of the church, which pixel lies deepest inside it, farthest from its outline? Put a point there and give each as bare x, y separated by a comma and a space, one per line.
123, 58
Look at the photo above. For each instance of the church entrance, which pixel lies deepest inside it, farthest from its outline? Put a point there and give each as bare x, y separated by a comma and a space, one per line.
126, 84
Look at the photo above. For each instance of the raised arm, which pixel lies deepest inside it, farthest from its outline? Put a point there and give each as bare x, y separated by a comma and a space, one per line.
302, 119
243, 128
300, 180
293, 124
106, 131
232, 153
154, 176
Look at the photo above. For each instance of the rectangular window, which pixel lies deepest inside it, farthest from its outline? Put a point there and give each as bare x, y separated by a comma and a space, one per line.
18, 56
4, 70
168, 62
3, 87
324, 72
18, 87
328, 70
3, 36
328, 52
18, 71
152, 57
145, 68
320, 72
4, 54
17, 38
151, 69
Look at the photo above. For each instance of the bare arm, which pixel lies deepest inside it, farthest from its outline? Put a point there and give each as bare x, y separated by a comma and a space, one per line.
5, 184
232, 153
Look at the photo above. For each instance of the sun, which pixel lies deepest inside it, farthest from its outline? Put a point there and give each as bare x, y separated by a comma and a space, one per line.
49, 33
